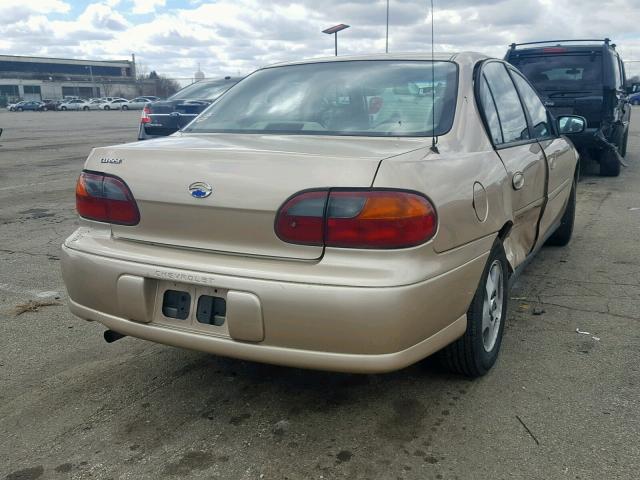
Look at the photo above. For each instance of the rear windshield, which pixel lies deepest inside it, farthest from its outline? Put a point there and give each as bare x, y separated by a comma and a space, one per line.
203, 91
365, 98
561, 72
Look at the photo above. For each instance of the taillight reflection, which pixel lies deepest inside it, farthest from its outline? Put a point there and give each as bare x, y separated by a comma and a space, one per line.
105, 198
381, 219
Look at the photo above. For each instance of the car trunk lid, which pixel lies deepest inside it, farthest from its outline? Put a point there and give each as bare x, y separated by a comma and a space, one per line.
251, 177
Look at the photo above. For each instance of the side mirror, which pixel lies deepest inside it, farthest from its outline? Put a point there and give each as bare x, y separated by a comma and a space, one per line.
568, 124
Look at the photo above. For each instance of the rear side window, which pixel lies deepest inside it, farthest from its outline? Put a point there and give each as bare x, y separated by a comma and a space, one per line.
510, 112
490, 112
537, 111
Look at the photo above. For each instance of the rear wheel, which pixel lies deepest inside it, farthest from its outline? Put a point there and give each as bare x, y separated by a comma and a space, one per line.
562, 235
85, 108
107, 107
20, 109
124, 107
476, 351
63, 108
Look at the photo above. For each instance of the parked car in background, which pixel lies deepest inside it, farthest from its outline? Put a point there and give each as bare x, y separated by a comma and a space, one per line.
32, 105
331, 214
51, 104
634, 99
75, 104
168, 116
583, 78
94, 104
151, 98
115, 104
138, 103
12, 106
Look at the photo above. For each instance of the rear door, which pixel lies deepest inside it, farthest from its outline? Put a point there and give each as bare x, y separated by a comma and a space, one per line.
560, 156
521, 155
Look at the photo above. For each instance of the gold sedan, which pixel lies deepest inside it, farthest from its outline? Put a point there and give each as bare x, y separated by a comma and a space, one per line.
351, 214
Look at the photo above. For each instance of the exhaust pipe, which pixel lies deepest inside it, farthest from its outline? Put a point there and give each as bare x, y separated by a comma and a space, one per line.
110, 336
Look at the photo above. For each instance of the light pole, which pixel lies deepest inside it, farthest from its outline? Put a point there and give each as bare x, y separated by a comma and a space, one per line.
93, 83
334, 30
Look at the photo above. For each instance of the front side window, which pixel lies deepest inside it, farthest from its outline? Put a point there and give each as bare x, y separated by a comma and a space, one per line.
537, 111
364, 98
510, 112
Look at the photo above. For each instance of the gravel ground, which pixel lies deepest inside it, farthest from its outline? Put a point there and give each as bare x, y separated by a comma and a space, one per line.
558, 405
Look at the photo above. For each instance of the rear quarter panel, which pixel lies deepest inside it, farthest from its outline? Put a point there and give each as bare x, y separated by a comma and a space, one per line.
466, 158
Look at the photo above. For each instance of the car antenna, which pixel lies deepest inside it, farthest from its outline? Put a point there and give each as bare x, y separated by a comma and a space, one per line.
434, 143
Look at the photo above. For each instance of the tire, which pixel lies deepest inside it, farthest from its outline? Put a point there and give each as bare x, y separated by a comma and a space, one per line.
107, 107
477, 350
562, 235
609, 164
124, 107
20, 109
63, 108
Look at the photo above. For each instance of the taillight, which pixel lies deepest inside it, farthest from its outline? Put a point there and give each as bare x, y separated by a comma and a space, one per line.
301, 218
105, 198
357, 219
144, 117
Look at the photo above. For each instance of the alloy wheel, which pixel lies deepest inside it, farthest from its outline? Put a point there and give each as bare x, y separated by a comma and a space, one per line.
492, 305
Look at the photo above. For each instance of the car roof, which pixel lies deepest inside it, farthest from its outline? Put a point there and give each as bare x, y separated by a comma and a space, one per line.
461, 57
568, 47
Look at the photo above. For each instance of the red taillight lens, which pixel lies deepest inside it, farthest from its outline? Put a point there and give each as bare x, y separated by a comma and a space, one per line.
379, 219
301, 218
357, 219
105, 198
144, 117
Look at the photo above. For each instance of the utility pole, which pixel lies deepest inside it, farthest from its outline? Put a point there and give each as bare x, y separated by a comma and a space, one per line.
386, 49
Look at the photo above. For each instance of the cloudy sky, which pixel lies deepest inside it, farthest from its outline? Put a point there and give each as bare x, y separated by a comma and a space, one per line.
228, 37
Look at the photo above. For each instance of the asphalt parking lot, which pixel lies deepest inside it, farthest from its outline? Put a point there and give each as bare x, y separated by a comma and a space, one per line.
558, 405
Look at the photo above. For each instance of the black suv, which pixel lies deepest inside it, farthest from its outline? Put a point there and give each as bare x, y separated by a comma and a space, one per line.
580, 77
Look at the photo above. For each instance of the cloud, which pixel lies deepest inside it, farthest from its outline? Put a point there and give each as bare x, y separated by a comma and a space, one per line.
102, 16
12, 12
231, 36
146, 6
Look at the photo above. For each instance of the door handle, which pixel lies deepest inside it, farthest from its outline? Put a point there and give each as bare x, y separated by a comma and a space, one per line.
518, 180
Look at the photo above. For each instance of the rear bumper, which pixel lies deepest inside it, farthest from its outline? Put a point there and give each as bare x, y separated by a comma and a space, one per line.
327, 327
330, 361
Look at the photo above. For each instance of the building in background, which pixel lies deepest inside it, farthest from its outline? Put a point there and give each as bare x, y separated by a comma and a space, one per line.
36, 78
